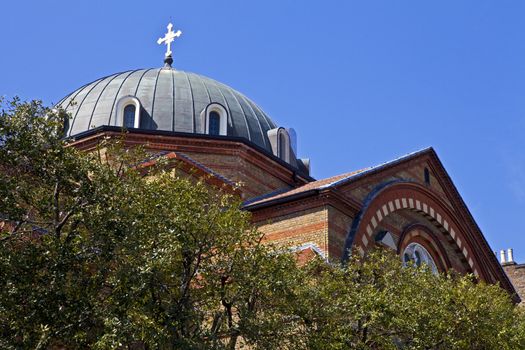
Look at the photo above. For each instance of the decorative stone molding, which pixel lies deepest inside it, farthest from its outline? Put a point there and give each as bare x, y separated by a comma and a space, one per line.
399, 196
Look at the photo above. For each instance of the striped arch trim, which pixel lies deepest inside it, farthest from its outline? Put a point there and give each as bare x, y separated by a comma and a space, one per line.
411, 202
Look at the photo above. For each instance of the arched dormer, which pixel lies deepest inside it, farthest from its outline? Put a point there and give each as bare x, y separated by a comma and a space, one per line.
280, 141
128, 112
215, 119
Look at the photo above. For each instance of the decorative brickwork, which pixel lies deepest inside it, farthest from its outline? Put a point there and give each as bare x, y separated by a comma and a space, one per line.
292, 230
256, 171
411, 198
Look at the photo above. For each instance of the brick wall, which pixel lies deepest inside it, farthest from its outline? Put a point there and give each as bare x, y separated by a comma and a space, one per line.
255, 181
516, 273
413, 172
258, 173
338, 227
298, 228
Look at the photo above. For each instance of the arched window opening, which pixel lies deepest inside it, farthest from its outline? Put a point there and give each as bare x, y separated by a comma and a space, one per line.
416, 254
282, 146
214, 120
280, 143
129, 116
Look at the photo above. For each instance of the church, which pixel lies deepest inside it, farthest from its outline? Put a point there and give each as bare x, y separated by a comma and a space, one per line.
409, 205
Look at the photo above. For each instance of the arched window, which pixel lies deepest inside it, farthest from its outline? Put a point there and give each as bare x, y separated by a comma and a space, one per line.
282, 145
416, 254
128, 112
129, 116
214, 120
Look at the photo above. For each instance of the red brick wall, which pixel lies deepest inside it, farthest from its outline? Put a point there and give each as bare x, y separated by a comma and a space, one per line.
257, 172
310, 226
338, 227
516, 274
254, 180
414, 171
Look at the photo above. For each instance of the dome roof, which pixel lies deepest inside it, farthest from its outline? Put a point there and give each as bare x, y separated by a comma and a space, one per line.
170, 100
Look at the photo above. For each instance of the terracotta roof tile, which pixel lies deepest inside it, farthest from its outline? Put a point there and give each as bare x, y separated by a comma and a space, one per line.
328, 182
315, 185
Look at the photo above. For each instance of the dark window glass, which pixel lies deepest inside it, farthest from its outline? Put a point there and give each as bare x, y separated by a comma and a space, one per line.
129, 116
215, 123
427, 176
282, 146
418, 258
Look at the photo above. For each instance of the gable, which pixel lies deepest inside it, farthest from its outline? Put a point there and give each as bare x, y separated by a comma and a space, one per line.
420, 170
400, 197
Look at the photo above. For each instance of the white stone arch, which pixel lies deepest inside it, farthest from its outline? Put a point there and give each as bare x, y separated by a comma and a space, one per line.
280, 142
121, 104
223, 115
408, 199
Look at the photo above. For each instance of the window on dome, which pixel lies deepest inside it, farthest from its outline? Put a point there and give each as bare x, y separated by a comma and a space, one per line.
214, 121
129, 116
416, 254
282, 145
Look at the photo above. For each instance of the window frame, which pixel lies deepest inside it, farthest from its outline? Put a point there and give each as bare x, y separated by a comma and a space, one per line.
276, 137
223, 118
122, 103
421, 253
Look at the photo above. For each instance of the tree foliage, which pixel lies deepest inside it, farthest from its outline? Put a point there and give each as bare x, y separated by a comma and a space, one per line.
94, 254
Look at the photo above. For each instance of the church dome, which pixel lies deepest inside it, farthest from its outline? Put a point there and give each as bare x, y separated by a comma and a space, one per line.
168, 100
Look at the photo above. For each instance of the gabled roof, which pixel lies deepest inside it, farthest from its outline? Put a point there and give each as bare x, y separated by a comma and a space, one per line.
331, 182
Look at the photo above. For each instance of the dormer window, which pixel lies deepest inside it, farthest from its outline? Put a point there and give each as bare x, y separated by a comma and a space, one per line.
282, 145
280, 142
215, 119
129, 116
128, 112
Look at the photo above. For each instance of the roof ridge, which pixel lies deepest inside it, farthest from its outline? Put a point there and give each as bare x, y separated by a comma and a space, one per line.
333, 181
381, 165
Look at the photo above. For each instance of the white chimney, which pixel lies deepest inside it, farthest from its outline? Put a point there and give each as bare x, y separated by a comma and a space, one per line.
510, 257
502, 256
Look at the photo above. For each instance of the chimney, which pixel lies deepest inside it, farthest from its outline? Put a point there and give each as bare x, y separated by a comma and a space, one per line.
510, 257
502, 256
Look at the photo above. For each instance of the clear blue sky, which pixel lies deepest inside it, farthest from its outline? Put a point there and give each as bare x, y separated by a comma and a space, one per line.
362, 82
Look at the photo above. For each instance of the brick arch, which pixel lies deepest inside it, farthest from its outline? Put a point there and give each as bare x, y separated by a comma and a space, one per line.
403, 195
419, 233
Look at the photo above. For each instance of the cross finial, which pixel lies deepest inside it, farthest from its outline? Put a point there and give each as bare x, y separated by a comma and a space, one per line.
169, 37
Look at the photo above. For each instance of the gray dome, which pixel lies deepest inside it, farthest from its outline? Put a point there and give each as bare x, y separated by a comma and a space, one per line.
170, 100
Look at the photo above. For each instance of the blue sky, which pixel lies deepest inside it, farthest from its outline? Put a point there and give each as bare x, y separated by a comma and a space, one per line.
362, 82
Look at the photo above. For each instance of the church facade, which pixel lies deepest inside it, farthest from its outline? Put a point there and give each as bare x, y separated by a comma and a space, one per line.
409, 205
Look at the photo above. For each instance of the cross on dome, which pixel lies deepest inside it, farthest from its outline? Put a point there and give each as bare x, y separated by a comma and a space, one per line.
169, 37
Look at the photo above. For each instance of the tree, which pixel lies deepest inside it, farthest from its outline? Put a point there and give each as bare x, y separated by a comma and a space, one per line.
378, 303
95, 254
98, 251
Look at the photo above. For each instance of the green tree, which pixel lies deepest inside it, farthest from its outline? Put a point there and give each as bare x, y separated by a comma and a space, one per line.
377, 303
95, 254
